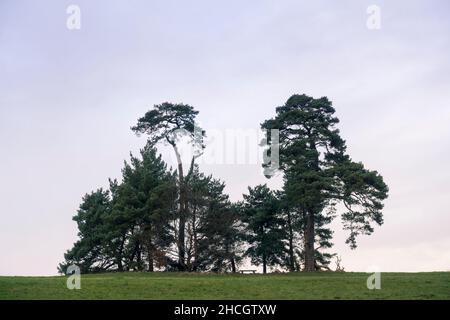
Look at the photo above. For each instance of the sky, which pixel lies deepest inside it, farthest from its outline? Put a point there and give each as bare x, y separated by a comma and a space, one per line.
68, 98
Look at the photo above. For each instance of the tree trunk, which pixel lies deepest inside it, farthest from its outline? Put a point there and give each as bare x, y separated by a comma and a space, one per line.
233, 265
182, 213
150, 253
120, 254
309, 243
291, 243
138, 256
264, 264
310, 264
195, 240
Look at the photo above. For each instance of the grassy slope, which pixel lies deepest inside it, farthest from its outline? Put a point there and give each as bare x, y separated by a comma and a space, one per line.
434, 285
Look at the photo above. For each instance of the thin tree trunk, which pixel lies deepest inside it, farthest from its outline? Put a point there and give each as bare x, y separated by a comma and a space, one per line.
150, 253
310, 264
230, 257
264, 264
120, 254
233, 265
291, 243
182, 213
309, 243
150, 262
138, 256
195, 239
130, 262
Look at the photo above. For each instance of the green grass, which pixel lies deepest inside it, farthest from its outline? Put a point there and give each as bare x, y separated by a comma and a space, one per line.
326, 285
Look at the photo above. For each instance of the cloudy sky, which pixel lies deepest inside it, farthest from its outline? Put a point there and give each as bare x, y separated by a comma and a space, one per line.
69, 97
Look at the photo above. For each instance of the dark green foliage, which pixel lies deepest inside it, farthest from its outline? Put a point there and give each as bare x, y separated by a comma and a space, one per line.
127, 228
144, 204
212, 225
158, 219
265, 227
362, 192
133, 226
318, 173
89, 252
166, 121
169, 122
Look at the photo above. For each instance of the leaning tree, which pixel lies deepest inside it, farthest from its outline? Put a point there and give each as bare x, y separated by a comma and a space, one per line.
169, 123
318, 173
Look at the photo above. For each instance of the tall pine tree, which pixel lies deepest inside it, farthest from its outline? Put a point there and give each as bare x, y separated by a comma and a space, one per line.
317, 172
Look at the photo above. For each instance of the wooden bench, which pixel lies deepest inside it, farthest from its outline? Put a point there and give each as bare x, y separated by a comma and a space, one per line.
247, 271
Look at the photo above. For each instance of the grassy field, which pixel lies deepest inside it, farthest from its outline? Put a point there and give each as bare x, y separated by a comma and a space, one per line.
435, 285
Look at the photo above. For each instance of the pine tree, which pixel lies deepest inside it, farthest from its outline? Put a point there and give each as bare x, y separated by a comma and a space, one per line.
317, 173
265, 227
127, 227
89, 253
213, 241
144, 203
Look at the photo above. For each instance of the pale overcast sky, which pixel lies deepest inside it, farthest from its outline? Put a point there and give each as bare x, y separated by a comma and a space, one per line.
69, 97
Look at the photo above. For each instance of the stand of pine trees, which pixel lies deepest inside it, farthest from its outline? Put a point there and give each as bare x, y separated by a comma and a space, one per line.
157, 218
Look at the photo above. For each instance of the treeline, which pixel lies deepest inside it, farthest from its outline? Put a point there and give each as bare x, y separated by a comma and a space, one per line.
157, 218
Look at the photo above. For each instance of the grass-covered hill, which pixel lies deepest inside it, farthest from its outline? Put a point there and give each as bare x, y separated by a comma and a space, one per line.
158, 285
